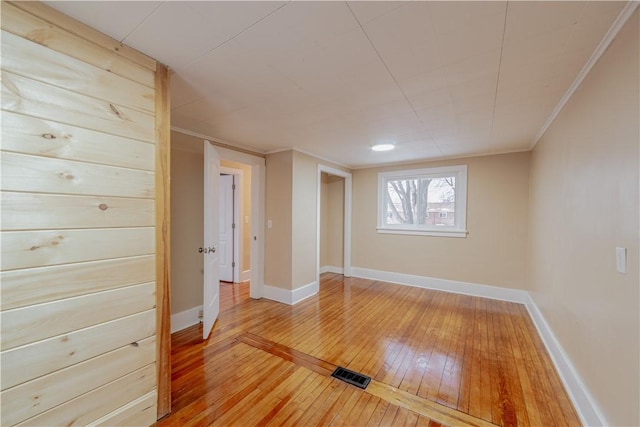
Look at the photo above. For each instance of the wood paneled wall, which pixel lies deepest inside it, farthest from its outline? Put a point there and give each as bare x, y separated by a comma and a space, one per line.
84, 184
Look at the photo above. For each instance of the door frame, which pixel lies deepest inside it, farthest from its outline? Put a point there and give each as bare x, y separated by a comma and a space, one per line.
238, 179
347, 218
257, 213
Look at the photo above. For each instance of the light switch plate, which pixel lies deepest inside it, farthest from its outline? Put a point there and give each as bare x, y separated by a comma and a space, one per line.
269, 223
621, 260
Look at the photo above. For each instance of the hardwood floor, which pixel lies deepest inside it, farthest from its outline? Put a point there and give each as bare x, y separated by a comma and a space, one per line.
434, 358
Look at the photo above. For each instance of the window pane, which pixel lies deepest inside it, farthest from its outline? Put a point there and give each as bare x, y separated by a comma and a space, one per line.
427, 201
401, 201
441, 202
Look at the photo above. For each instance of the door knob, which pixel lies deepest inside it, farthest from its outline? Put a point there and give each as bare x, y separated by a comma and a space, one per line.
200, 250
210, 249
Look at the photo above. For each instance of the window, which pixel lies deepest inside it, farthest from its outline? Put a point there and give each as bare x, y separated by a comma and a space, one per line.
430, 201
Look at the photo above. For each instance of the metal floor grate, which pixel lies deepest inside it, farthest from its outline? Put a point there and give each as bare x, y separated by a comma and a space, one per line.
351, 377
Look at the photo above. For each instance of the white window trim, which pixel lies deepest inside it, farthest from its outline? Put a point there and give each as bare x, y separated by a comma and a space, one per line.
459, 171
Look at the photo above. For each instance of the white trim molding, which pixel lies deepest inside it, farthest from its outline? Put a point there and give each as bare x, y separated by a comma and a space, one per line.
453, 286
276, 294
288, 296
459, 229
258, 190
586, 406
217, 140
348, 178
615, 28
304, 292
186, 318
331, 269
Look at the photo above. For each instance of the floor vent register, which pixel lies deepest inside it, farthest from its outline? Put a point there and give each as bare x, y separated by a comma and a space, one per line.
351, 377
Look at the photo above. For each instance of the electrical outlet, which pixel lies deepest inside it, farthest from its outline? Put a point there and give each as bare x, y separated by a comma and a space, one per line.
200, 314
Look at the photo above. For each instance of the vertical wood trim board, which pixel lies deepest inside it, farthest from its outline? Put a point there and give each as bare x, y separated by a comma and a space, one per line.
163, 240
85, 225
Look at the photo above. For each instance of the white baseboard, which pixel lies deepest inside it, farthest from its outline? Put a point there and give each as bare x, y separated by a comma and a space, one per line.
245, 276
331, 269
186, 318
586, 406
582, 400
304, 292
276, 294
287, 296
477, 290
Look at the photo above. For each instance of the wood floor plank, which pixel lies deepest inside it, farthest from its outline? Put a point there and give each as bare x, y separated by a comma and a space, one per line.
435, 359
323, 406
389, 416
368, 410
378, 413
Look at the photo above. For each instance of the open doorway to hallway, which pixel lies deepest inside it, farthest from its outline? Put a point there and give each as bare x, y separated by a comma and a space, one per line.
187, 206
235, 221
331, 223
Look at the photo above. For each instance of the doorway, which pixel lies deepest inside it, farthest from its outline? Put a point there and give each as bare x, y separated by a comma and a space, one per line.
249, 173
227, 227
214, 212
331, 224
345, 212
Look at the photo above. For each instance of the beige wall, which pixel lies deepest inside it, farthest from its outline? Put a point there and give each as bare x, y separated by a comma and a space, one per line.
278, 209
332, 221
493, 253
304, 233
291, 204
584, 203
187, 225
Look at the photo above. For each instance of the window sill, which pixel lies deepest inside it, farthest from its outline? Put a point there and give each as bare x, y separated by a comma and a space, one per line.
436, 233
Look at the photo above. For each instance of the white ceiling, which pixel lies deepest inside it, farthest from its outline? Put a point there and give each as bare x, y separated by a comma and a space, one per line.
437, 79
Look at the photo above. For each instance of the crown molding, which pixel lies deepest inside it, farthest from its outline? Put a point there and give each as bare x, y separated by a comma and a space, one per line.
615, 28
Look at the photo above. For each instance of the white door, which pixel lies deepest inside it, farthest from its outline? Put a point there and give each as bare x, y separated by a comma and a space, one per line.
211, 282
226, 228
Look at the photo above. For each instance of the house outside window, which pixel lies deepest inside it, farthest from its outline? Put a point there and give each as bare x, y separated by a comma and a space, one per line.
428, 201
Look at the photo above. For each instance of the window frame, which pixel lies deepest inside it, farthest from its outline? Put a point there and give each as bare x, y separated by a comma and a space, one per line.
460, 214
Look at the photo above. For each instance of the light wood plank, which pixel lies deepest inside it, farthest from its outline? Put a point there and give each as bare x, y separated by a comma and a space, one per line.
163, 238
83, 31
26, 58
38, 285
30, 97
31, 27
25, 249
99, 402
35, 211
33, 323
27, 362
31, 135
26, 173
34, 397
140, 412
